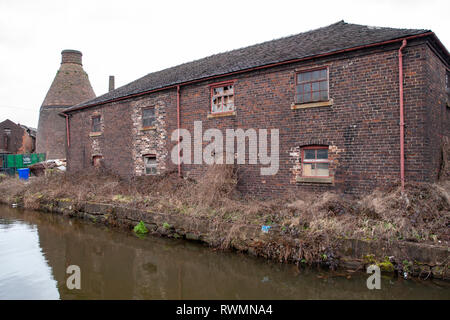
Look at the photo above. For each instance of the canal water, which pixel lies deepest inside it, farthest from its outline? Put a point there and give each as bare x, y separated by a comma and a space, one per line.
36, 249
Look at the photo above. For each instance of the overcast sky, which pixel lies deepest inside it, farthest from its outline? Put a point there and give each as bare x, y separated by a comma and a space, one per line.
129, 39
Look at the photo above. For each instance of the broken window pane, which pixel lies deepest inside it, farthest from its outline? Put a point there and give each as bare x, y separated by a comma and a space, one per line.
222, 99
228, 90
218, 91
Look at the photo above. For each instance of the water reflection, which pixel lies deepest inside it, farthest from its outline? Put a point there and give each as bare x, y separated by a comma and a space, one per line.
24, 272
117, 265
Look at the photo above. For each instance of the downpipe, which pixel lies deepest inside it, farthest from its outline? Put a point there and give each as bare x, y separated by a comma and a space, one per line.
402, 122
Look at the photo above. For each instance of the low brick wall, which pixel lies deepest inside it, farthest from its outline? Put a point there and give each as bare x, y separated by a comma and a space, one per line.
420, 260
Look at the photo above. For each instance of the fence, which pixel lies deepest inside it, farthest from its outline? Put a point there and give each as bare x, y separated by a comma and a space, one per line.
9, 163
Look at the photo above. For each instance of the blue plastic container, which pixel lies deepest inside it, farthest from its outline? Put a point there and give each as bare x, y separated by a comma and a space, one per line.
24, 173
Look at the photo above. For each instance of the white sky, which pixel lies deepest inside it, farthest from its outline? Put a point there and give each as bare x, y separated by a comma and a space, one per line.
129, 39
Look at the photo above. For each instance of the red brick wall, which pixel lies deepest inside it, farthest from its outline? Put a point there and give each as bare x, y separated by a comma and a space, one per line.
18, 142
114, 144
361, 127
437, 114
51, 133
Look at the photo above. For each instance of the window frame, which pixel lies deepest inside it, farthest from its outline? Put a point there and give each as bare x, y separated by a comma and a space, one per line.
6, 137
154, 117
297, 72
97, 116
145, 156
211, 96
96, 160
315, 161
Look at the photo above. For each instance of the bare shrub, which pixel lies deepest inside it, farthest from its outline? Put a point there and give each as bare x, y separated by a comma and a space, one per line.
11, 188
421, 213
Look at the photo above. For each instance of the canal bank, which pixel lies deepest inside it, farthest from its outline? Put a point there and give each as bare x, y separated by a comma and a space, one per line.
406, 259
36, 250
405, 233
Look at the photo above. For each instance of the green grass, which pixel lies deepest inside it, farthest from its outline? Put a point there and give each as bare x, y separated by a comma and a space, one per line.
140, 228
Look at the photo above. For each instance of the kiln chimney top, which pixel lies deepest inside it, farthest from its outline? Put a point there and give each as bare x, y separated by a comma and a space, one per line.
71, 56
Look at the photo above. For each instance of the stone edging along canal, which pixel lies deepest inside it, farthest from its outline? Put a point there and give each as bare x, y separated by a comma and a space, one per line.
416, 259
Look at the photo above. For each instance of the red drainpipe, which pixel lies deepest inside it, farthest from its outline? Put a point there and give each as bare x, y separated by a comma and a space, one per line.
402, 123
67, 130
178, 126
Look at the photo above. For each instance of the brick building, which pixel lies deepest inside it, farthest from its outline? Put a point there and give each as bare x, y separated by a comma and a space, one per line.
332, 93
69, 87
16, 138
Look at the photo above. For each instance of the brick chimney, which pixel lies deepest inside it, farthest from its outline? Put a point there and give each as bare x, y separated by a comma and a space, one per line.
69, 87
111, 83
71, 56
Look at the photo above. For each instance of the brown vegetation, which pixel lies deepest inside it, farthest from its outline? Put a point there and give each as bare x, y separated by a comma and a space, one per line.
420, 214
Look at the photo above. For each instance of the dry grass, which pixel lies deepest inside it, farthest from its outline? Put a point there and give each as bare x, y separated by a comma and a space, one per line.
11, 189
422, 213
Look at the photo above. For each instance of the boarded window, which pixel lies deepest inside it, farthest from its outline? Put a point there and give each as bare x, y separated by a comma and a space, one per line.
148, 117
96, 124
222, 98
312, 86
150, 164
315, 161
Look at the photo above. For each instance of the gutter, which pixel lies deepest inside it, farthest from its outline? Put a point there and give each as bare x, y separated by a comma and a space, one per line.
254, 69
402, 122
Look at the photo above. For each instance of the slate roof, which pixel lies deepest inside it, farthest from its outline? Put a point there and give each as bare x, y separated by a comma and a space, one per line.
335, 37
